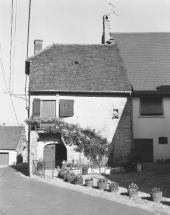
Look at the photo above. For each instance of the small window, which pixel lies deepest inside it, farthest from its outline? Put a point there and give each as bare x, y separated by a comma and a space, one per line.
66, 108
163, 140
151, 106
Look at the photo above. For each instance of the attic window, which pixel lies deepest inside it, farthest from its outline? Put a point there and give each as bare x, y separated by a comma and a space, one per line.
76, 62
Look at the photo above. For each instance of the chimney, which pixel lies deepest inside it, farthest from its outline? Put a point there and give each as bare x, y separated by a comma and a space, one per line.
37, 46
106, 29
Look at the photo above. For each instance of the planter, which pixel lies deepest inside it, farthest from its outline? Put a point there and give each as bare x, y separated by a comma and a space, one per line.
107, 171
138, 167
79, 181
70, 179
84, 171
102, 185
89, 183
132, 193
114, 190
156, 196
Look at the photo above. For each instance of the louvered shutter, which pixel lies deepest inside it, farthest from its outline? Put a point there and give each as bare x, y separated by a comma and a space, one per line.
151, 106
66, 108
36, 107
48, 108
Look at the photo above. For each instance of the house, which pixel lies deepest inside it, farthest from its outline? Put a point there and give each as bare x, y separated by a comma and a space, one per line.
13, 145
82, 84
147, 59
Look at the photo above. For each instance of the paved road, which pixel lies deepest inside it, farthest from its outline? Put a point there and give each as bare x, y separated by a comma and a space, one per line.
20, 195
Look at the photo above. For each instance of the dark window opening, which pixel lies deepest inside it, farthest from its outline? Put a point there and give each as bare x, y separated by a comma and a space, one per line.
163, 140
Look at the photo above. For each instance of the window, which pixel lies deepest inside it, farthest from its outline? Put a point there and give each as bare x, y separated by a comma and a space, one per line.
44, 108
66, 108
151, 106
48, 108
163, 140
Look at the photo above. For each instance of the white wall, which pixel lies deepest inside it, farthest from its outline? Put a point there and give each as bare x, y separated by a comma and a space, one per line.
12, 156
153, 127
94, 112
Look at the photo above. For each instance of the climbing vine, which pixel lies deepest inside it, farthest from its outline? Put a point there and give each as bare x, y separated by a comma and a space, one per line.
87, 140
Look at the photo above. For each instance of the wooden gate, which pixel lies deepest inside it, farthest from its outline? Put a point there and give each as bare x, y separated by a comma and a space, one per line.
49, 156
145, 147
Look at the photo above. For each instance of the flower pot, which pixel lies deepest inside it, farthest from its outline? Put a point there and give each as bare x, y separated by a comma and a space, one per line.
102, 185
132, 193
107, 171
89, 183
79, 181
69, 178
156, 196
84, 171
138, 167
114, 189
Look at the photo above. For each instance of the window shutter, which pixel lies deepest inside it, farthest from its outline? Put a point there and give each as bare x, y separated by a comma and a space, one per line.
66, 108
36, 107
151, 106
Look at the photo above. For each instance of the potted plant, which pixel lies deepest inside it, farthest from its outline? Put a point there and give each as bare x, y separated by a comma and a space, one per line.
85, 170
114, 187
156, 194
66, 172
102, 183
133, 190
70, 177
78, 179
89, 182
69, 165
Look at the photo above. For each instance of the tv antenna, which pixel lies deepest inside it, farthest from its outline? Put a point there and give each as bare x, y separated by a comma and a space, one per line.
112, 10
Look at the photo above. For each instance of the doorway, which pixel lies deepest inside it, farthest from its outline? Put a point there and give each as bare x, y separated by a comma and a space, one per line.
60, 154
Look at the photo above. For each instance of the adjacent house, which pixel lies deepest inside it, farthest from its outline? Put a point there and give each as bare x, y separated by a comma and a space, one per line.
13, 145
147, 59
84, 84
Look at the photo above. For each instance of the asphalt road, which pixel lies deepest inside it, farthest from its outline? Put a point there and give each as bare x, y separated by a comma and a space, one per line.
21, 195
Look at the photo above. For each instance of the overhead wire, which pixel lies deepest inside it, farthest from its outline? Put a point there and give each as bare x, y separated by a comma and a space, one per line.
12, 8
14, 47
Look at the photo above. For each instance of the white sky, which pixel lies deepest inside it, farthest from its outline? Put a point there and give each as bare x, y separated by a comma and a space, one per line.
65, 21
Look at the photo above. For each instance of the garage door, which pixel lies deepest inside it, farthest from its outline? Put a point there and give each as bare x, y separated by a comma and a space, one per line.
145, 147
4, 158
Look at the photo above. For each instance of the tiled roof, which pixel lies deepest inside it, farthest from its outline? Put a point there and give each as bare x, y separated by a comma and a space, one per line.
10, 136
78, 68
146, 57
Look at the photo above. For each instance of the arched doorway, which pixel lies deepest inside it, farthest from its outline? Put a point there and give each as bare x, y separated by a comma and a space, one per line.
54, 154
61, 154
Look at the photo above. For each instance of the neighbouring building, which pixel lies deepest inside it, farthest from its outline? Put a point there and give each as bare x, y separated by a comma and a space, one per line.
147, 59
84, 84
13, 145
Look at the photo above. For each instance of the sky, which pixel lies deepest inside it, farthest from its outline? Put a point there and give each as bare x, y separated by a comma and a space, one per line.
62, 21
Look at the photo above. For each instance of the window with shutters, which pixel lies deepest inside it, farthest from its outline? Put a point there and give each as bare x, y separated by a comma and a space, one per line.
151, 106
66, 108
48, 108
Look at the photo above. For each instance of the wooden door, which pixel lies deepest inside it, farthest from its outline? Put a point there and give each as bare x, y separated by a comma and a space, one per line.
145, 147
49, 156
4, 158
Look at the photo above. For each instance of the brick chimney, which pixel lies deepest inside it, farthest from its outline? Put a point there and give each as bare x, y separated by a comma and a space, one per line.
106, 29
37, 46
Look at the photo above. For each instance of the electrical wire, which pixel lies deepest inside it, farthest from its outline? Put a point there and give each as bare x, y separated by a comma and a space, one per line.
3, 73
14, 109
14, 47
11, 45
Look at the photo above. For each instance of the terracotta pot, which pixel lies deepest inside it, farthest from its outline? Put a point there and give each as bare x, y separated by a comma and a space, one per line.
69, 178
79, 181
132, 193
102, 185
114, 189
89, 183
156, 196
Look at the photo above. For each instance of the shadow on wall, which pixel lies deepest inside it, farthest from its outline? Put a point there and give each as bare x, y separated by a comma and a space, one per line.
122, 140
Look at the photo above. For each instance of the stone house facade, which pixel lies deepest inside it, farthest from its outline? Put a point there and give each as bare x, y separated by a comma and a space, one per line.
149, 74
82, 84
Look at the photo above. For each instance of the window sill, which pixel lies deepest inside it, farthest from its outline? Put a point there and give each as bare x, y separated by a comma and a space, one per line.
151, 116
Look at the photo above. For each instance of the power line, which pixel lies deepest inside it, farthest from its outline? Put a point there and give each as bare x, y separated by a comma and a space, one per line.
11, 45
14, 44
2, 69
14, 109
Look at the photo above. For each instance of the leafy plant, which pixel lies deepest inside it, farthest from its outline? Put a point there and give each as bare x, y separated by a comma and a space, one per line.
78, 177
156, 190
133, 186
102, 180
114, 185
87, 140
